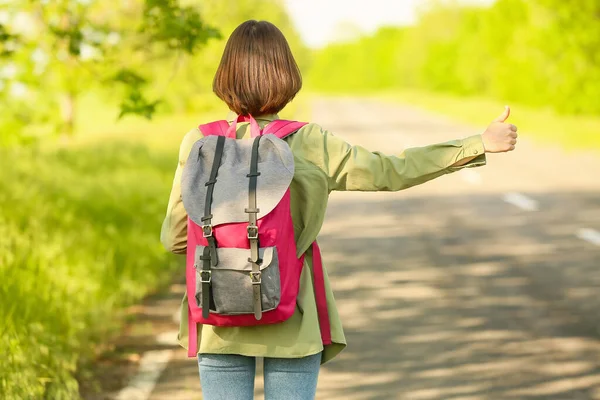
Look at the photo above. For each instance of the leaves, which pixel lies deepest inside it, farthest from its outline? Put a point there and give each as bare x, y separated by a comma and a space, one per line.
8, 42
69, 48
179, 28
135, 103
130, 78
71, 34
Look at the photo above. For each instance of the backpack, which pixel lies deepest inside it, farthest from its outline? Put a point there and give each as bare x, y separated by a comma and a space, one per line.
241, 267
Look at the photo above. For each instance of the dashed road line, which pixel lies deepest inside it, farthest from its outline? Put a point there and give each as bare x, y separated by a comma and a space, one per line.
589, 235
521, 201
152, 365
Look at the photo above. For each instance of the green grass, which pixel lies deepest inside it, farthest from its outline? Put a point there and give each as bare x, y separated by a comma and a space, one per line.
79, 241
542, 126
78, 233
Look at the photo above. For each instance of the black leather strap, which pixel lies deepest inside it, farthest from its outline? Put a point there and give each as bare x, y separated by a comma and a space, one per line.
207, 229
209, 256
252, 210
206, 278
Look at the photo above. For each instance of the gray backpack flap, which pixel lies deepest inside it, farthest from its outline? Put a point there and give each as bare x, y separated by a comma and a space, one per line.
230, 196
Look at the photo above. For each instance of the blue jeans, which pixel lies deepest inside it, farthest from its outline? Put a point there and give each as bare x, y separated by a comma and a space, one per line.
231, 377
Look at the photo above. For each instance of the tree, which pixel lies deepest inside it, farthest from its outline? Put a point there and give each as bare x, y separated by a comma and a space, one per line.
543, 53
52, 51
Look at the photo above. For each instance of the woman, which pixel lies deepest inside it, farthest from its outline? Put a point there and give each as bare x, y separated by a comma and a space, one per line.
258, 76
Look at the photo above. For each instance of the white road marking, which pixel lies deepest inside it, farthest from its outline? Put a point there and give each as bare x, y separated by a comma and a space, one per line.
589, 235
470, 176
521, 201
152, 365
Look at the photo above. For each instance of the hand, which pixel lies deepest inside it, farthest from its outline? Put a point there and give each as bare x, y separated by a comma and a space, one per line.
500, 137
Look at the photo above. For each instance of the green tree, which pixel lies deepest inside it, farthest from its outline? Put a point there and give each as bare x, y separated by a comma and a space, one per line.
53, 51
544, 53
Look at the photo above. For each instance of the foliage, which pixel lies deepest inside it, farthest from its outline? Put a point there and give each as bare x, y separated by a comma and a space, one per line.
543, 53
180, 28
78, 47
57, 50
135, 102
73, 253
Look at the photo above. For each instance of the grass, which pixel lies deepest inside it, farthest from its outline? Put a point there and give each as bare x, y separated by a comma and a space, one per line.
542, 126
78, 242
79, 230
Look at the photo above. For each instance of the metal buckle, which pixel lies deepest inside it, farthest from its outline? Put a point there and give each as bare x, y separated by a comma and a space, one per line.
207, 280
255, 278
252, 232
207, 230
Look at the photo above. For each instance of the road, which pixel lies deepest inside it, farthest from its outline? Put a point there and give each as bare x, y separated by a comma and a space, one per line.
479, 285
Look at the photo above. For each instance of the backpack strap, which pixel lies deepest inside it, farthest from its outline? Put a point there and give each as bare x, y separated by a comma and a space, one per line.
282, 128
192, 333
252, 229
255, 130
321, 294
216, 128
209, 256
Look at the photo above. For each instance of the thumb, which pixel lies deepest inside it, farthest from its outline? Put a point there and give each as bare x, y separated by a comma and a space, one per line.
504, 116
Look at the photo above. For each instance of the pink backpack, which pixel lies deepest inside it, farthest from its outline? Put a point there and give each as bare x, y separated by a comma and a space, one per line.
242, 268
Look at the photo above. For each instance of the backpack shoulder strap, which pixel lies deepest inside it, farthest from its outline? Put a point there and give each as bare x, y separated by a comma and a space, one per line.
216, 128
282, 128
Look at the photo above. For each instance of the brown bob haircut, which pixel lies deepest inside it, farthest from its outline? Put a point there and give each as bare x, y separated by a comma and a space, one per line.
257, 74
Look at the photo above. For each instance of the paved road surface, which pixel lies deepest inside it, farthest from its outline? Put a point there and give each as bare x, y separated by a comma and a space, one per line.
480, 285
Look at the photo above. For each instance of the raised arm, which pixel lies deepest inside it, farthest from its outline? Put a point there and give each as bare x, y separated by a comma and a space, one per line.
356, 168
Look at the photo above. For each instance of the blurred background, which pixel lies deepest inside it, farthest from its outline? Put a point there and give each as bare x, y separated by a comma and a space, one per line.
95, 96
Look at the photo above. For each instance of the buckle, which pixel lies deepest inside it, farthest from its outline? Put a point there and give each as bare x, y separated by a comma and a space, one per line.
252, 232
208, 278
255, 278
207, 230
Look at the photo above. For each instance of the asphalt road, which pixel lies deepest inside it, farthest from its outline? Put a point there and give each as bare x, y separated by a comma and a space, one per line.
479, 285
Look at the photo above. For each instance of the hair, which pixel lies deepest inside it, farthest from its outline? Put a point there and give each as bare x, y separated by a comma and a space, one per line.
257, 74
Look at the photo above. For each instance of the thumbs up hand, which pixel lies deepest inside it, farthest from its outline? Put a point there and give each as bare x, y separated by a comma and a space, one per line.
500, 137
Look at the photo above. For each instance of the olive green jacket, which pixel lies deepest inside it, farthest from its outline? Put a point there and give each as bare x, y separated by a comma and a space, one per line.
323, 163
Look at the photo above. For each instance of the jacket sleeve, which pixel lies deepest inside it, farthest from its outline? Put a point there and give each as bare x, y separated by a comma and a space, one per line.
356, 168
173, 234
